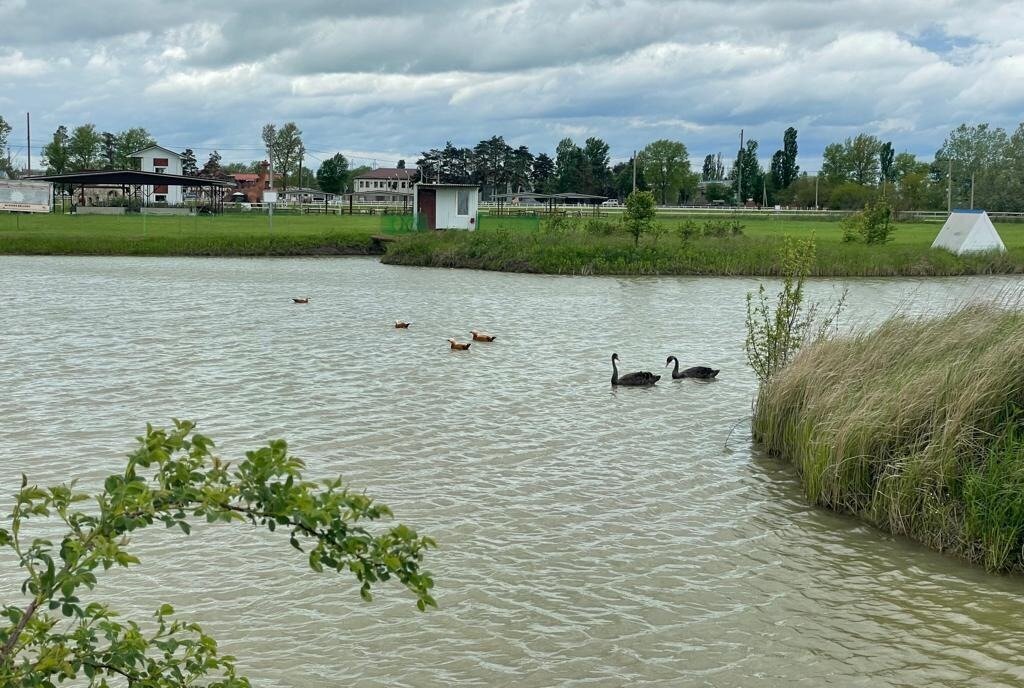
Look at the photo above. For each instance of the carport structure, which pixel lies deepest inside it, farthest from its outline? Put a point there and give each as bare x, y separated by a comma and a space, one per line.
551, 200
131, 182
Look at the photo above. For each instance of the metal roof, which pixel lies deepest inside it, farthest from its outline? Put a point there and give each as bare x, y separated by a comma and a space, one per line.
400, 173
440, 186
129, 178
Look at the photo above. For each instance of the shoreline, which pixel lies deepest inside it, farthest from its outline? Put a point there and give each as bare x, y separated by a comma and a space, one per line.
501, 245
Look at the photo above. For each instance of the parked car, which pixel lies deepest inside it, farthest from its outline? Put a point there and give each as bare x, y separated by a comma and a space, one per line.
611, 202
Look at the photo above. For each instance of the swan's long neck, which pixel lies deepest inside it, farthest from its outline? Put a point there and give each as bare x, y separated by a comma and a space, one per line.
615, 372
675, 369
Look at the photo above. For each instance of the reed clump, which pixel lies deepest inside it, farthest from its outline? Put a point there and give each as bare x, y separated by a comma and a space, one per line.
917, 427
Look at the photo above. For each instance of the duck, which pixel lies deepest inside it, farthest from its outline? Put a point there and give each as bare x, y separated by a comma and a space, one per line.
302, 300
482, 336
458, 346
640, 379
402, 325
696, 372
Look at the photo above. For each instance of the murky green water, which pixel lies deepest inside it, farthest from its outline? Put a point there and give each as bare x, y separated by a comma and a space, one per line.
588, 537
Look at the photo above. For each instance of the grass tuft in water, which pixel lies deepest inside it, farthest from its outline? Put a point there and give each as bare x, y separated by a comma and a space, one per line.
917, 427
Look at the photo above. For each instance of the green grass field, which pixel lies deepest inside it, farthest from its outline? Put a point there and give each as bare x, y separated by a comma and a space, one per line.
588, 247
578, 246
201, 235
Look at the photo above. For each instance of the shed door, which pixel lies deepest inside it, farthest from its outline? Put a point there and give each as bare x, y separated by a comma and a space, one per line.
428, 206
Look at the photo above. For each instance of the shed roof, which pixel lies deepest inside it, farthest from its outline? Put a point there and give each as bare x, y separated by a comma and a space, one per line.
129, 178
447, 186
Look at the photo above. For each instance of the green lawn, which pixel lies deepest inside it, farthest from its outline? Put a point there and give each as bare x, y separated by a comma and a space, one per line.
229, 234
579, 246
586, 246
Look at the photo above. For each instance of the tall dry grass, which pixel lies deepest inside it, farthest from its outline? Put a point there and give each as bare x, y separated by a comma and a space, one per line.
915, 426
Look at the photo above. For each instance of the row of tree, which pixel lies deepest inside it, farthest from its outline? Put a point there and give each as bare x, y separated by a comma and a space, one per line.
976, 161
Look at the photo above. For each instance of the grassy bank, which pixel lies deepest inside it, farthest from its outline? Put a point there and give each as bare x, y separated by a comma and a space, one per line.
221, 235
582, 246
592, 248
917, 427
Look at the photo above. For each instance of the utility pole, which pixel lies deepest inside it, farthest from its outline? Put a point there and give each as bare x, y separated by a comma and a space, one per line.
634, 171
972, 191
949, 187
816, 190
28, 136
739, 173
270, 157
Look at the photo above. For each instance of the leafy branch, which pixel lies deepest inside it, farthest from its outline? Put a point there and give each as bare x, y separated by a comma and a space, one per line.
172, 478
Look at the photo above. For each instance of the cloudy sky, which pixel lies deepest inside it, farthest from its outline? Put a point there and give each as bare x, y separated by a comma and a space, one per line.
385, 80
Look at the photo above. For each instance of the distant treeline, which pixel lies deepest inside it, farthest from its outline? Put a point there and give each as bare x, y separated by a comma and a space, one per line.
973, 159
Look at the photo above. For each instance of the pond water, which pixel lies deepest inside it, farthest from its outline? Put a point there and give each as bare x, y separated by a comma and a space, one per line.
587, 536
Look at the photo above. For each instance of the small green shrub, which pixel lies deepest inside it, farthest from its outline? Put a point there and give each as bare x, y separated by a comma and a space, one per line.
872, 225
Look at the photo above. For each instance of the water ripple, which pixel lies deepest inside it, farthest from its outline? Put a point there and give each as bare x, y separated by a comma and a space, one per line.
589, 537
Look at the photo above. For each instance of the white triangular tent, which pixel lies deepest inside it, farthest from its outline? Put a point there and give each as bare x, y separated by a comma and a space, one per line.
968, 230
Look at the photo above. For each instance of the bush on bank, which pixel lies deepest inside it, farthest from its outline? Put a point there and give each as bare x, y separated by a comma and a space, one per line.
917, 427
593, 247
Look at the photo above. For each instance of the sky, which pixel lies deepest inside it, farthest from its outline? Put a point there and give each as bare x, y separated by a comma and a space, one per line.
383, 81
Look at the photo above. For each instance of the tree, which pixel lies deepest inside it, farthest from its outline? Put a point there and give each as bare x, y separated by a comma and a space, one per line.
172, 478
518, 169
128, 142
977, 153
753, 174
789, 168
84, 148
784, 170
401, 164
640, 214
597, 176
109, 150
5, 131
189, 165
251, 167
543, 173
666, 168
713, 169
863, 155
835, 167
488, 161
886, 158
56, 153
622, 179
569, 166
286, 148
333, 174
212, 168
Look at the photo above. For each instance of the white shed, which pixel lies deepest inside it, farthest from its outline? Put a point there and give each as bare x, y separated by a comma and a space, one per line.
446, 206
968, 230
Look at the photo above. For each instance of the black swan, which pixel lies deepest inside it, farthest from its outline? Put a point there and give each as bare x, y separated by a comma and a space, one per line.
696, 372
641, 379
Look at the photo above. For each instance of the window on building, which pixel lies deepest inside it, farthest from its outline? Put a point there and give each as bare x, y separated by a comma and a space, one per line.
462, 200
159, 162
160, 198
159, 170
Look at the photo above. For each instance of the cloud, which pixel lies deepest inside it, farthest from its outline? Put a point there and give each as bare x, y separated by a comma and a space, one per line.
404, 76
15, 64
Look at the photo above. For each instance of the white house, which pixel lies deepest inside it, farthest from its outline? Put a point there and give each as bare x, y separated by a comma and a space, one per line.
162, 161
383, 185
446, 206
